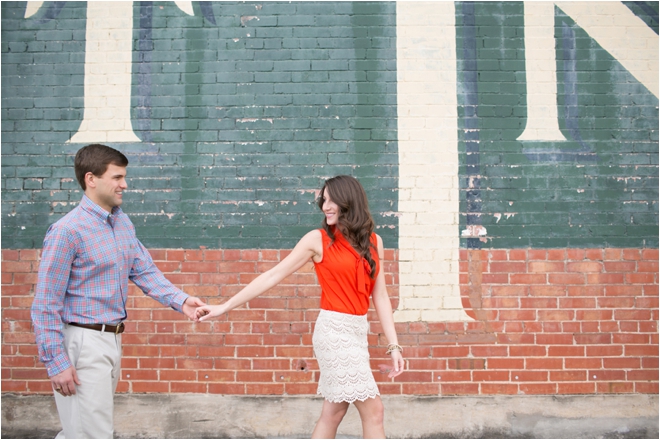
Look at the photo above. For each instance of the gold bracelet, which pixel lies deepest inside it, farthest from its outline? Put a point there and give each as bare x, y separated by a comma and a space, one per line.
393, 347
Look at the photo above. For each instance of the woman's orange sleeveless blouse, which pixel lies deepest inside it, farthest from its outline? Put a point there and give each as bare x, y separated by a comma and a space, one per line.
344, 275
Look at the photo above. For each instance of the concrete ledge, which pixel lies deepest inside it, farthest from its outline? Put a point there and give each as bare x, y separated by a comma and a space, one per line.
219, 416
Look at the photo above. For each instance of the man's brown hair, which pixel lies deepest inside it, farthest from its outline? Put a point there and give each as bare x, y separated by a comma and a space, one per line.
95, 159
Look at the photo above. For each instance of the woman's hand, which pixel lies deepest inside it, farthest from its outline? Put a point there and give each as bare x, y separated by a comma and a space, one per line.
207, 312
397, 364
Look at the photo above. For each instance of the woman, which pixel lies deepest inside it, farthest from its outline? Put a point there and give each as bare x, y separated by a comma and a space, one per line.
346, 255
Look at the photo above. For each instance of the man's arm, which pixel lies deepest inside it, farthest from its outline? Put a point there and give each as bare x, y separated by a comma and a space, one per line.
57, 256
146, 275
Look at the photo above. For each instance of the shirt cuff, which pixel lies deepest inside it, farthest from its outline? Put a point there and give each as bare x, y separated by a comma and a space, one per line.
57, 365
178, 300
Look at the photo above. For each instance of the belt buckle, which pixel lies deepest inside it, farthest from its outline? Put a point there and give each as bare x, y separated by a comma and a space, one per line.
119, 327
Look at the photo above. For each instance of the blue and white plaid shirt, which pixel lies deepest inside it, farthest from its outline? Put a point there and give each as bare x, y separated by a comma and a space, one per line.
87, 259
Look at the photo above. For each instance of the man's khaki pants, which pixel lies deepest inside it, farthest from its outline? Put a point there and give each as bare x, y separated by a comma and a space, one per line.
96, 357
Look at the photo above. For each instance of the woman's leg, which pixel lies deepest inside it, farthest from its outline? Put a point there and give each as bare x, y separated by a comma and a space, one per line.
331, 416
372, 414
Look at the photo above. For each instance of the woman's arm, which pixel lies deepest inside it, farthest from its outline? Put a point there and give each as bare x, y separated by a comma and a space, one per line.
310, 246
383, 308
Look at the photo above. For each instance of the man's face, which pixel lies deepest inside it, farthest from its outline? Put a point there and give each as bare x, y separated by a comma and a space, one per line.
107, 190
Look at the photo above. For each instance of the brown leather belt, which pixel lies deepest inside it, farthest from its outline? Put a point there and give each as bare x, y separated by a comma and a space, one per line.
116, 329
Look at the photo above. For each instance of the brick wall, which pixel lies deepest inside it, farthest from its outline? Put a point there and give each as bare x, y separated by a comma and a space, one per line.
560, 321
509, 151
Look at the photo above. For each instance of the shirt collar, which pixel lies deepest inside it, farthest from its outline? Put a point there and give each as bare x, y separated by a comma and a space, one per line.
94, 209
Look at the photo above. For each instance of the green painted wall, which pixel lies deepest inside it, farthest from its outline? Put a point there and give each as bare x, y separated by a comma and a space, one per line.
245, 108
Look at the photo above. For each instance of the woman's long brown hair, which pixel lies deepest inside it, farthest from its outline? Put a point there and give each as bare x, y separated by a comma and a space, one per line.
354, 220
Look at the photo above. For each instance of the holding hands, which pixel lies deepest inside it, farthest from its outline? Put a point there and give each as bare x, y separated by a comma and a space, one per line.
207, 312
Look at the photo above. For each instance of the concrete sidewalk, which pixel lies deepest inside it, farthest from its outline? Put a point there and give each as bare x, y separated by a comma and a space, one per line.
219, 416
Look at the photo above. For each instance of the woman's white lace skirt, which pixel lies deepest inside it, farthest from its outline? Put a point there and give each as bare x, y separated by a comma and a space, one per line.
340, 346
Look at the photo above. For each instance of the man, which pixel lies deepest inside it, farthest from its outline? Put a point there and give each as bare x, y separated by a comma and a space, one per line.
79, 307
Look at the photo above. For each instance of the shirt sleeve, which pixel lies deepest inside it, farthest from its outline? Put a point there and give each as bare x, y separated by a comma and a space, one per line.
57, 256
146, 275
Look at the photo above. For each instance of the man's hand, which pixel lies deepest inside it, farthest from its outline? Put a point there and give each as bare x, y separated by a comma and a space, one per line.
65, 382
190, 305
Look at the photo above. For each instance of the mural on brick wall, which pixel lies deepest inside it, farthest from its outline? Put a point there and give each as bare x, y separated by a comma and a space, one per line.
494, 139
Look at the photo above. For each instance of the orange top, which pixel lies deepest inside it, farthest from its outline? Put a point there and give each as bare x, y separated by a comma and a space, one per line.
344, 275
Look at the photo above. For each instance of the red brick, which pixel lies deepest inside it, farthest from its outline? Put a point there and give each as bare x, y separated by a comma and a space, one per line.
593, 315
647, 266
295, 388
529, 376
604, 350
264, 388
177, 375
499, 388
138, 374
640, 387
623, 290
538, 388
294, 376
576, 388
226, 388
637, 375
547, 290
584, 266
10, 255
555, 315
632, 315
619, 266
28, 374
459, 389
594, 254
631, 254
494, 278
16, 266
641, 350
585, 290
546, 266
451, 376
525, 278
605, 278
577, 303
15, 386
537, 254
466, 364
650, 254
494, 254
568, 375
517, 291
505, 364
582, 363
615, 387
543, 364
566, 278
538, 303
425, 389
518, 254
150, 387
631, 338
651, 362
508, 267
447, 352
188, 387
593, 338
517, 315
616, 302
651, 290
527, 351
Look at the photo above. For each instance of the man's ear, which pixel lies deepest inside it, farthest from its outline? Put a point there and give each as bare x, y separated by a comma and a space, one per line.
90, 180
